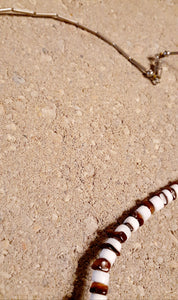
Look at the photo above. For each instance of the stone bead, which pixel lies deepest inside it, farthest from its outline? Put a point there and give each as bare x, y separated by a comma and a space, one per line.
139, 217
115, 243
110, 247
98, 288
98, 297
149, 205
175, 188
108, 255
144, 211
101, 277
124, 228
101, 264
166, 196
133, 222
120, 236
157, 202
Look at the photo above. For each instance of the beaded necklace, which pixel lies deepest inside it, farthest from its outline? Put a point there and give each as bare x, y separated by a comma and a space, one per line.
112, 246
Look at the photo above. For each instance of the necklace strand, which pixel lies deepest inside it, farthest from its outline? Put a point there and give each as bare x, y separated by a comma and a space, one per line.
153, 74
112, 246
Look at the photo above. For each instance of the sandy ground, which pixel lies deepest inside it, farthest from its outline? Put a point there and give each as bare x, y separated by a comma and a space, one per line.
84, 136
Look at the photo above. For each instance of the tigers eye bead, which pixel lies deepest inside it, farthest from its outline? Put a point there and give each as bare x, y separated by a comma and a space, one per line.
149, 205
110, 247
120, 236
99, 288
175, 188
172, 192
101, 264
138, 216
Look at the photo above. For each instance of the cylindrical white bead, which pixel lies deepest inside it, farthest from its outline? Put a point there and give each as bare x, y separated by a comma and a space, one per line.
175, 188
167, 196
133, 222
144, 212
125, 229
100, 276
97, 297
157, 202
109, 255
116, 244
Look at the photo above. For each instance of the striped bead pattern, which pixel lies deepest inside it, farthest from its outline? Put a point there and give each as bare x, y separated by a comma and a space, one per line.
112, 246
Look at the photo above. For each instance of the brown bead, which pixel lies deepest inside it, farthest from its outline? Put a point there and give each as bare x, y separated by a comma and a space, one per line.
118, 235
99, 288
101, 264
148, 204
165, 196
111, 247
130, 226
172, 191
139, 218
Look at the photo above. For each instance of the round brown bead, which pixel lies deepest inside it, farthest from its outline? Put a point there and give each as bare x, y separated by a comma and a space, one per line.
99, 288
118, 235
111, 247
148, 204
101, 264
138, 216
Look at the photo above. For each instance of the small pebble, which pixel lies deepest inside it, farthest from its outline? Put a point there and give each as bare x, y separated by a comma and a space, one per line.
2, 111
11, 126
12, 148
89, 170
11, 138
91, 225
36, 228
1, 259
79, 113
49, 112
126, 130
18, 79
5, 275
34, 94
141, 291
169, 129
67, 198
160, 260
54, 217
45, 58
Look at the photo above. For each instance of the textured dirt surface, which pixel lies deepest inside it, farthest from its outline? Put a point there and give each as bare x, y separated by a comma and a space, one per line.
83, 136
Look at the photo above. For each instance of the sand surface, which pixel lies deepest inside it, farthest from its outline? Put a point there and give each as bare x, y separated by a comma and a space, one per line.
84, 136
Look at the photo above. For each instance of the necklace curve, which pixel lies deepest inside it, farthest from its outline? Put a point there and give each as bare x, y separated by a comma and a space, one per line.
112, 246
153, 74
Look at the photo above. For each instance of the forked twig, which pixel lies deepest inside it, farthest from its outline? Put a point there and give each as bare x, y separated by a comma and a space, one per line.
155, 71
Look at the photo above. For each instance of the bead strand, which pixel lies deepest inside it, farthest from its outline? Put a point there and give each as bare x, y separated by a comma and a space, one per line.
112, 246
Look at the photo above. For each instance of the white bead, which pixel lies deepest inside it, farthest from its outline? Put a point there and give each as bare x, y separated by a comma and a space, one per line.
109, 255
166, 196
116, 244
125, 229
157, 202
133, 222
144, 212
175, 188
98, 297
99, 276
